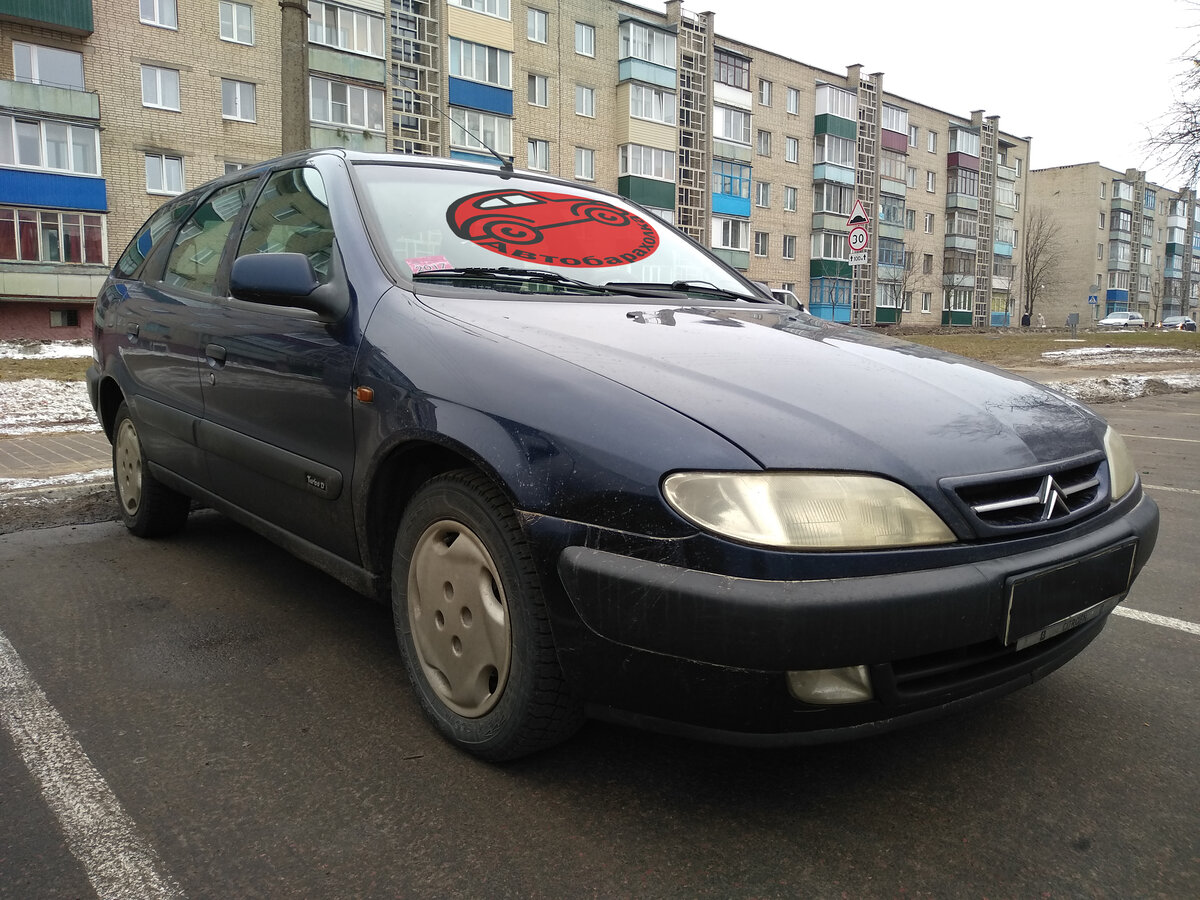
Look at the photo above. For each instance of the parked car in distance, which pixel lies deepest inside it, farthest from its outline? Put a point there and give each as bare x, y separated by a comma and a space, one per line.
1178, 323
1123, 320
592, 469
785, 296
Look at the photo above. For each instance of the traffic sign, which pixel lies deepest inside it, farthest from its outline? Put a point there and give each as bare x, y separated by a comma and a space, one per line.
1093, 299
859, 258
858, 215
858, 238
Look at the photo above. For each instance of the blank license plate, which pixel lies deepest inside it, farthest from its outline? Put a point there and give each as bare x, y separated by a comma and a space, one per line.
1044, 604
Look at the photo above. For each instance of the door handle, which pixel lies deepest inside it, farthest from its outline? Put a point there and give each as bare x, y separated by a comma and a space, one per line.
133, 330
215, 354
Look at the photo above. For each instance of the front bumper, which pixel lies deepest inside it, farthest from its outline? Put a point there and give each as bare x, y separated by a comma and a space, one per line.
706, 652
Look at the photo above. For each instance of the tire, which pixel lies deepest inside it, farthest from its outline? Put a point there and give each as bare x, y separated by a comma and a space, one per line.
471, 623
148, 507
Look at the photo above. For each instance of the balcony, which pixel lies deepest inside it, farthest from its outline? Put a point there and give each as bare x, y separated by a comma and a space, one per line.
1007, 173
48, 100
74, 16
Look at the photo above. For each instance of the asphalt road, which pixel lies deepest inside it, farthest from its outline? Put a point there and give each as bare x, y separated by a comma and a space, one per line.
228, 722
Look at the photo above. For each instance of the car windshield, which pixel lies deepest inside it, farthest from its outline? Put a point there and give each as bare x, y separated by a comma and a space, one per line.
463, 227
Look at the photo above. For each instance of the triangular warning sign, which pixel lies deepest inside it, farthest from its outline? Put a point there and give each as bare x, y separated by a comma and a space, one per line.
859, 216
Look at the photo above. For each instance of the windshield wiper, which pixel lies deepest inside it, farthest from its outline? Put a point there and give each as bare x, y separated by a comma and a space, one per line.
689, 288
508, 273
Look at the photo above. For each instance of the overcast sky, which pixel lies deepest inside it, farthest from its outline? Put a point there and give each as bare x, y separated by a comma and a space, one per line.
1087, 82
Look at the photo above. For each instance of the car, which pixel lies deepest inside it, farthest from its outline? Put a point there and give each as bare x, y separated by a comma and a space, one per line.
1123, 320
601, 474
785, 296
1178, 323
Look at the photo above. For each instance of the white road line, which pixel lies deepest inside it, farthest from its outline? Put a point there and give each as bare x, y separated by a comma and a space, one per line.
1173, 490
1155, 437
1153, 619
100, 834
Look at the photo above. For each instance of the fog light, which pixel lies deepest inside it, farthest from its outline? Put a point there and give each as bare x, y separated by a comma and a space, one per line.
829, 686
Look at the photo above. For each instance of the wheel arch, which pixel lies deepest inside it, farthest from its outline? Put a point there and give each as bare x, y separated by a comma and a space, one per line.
109, 398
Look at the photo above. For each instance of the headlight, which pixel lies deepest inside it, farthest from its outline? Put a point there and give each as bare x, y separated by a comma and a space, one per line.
805, 510
1121, 471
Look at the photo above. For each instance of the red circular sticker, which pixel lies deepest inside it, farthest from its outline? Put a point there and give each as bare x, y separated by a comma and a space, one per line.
553, 229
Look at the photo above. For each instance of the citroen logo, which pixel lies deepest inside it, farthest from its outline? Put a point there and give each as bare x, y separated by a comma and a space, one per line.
1053, 500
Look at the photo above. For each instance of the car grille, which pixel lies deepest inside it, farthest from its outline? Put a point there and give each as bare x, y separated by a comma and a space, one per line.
1039, 499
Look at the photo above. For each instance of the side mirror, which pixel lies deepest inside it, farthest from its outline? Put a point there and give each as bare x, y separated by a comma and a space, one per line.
285, 279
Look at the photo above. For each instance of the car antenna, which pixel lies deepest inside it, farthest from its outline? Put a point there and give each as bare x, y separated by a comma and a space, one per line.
506, 165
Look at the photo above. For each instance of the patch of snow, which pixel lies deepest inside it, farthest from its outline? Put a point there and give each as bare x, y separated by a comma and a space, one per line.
17, 485
41, 405
44, 350
1120, 356
1111, 388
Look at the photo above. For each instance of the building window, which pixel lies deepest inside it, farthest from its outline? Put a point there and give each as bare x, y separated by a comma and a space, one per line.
926, 301
838, 151
346, 29
833, 198
791, 149
931, 142
47, 65
793, 101
1103, 191
33, 235
585, 164
964, 141
1122, 220
836, 101
930, 181
963, 181
585, 39
912, 135
237, 22
64, 318
764, 92
891, 209
731, 69
537, 25
160, 88
762, 194
640, 41
650, 103
479, 62
539, 90
497, 8
910, 220
929, 223
585, 101
891, 252
164, 174
158, 12
56, 146
237, 100
1101, 221
731, 234
479, 131
789, 246
830, 245
539, 155
927, 265
790, 195
731, 179
895, 118
762, 243
892, 165
731, 124
648, 162
764, 143
336, 103
234, 167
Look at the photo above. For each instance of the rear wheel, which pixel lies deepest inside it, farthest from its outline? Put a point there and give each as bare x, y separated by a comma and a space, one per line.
148, 507
472, 625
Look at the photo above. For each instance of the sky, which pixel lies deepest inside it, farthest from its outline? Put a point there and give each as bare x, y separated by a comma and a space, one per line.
1087, 82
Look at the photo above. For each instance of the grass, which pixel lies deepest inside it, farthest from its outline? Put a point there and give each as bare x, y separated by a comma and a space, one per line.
1004, 349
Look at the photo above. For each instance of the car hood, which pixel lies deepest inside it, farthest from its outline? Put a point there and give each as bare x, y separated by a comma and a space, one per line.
793, 391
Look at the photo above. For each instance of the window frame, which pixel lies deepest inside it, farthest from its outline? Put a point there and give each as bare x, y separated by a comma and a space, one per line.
537, 21
585, 164
585, 39
585, 101
238, 89
162, 159
155, 17
34, 51
158, 71
537, 89
233, 6
537, 154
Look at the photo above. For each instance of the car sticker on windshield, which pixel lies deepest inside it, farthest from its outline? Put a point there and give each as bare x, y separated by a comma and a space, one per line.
553, 229
428, 263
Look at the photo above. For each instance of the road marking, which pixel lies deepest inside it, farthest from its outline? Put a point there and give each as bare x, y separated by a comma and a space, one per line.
1173, 490
100, 834
1153, 619
1154, 437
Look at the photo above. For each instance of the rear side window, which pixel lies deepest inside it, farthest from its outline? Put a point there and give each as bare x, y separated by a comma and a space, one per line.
196, 255
292, 216
149, 235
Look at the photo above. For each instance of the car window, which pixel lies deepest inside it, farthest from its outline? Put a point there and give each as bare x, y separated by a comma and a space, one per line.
146, 238
196, 255
291, 215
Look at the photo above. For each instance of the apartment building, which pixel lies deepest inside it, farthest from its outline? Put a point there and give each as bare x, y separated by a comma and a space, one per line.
1123, 243
760, 157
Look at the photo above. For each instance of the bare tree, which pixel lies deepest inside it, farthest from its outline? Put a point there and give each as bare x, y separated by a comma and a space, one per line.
1040, 256
1177, 142
904, 279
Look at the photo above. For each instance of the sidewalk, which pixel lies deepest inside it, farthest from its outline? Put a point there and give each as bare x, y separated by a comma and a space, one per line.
38, 457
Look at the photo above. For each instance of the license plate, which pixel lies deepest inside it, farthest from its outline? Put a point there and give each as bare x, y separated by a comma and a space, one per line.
1044, 604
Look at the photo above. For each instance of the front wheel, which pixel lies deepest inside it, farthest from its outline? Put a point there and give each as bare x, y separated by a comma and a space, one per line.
148, 507
472, 625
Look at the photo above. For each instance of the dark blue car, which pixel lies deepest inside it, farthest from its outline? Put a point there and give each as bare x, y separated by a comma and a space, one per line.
600, 473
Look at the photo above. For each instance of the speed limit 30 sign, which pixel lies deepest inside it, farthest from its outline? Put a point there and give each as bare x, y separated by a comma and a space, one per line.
858, 238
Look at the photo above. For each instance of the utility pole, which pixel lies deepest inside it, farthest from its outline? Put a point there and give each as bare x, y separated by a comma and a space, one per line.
293, 72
